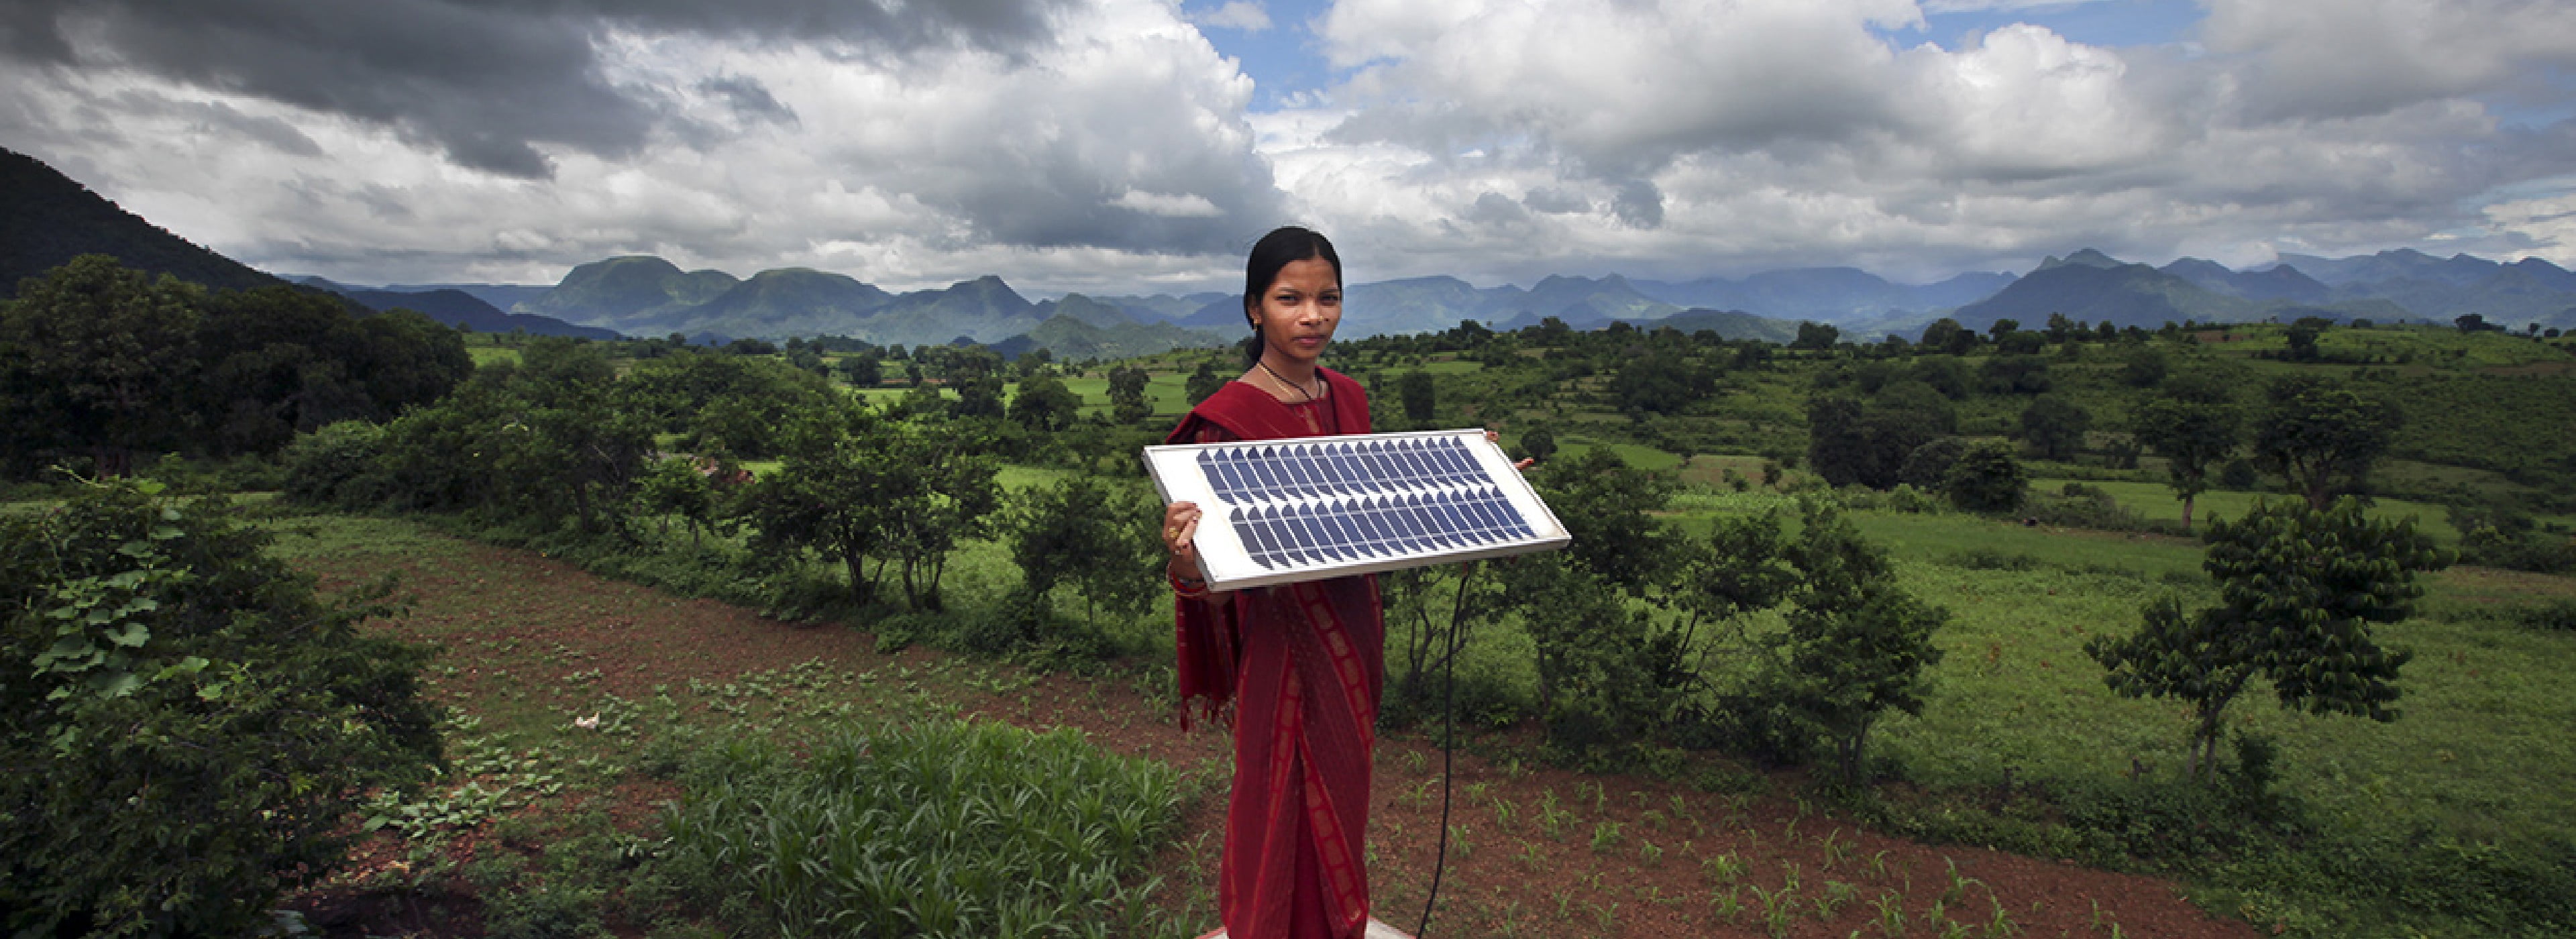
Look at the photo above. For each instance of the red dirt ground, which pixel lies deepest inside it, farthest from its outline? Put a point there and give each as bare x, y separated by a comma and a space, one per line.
1506, 876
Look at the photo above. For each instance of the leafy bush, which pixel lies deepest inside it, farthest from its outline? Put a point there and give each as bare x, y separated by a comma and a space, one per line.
939, 829
1986, 478
340, 465
184, 724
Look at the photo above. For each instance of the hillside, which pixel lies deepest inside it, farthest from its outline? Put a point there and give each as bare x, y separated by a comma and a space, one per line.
1837, 295
787, 302
1069, 338
2531, 290
458, 308
47, 219
626, 293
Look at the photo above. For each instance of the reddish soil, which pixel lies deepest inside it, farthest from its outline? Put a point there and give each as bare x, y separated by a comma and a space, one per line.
1506, 875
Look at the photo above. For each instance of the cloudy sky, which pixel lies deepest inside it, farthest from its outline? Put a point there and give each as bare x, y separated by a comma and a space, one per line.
1140, 145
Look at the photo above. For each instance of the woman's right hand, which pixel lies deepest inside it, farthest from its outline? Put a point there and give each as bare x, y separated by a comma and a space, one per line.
1180, 534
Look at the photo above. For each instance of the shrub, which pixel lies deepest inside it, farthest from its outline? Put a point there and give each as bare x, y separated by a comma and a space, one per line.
340, 465
185, 725
1986, 478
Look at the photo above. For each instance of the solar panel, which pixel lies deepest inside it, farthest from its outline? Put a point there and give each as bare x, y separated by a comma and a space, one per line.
1307, 508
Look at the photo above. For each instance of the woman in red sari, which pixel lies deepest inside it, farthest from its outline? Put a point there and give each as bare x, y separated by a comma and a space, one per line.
1302, 663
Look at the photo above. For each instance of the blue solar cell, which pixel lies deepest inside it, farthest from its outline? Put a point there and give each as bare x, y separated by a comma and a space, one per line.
1294, 505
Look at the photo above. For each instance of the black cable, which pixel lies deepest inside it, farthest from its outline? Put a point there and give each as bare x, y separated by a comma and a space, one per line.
1448, 749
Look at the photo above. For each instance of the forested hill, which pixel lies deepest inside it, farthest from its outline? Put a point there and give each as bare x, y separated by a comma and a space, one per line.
47, 219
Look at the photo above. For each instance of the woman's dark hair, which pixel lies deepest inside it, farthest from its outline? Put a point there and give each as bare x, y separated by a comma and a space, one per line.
1280, 248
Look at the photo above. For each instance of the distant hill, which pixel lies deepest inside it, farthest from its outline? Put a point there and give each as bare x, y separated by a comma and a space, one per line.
1070, 338
1837, 295
2531, 290
1162, 306
500, 296
1093, 312
458, 308
2281, 282
2093, 287
1729, 324
46, 220
620, 292
792, 301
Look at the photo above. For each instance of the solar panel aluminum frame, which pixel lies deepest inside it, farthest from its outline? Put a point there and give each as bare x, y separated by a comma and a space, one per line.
1227, 562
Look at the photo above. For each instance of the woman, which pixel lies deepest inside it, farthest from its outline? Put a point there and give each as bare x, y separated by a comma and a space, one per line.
1302, 663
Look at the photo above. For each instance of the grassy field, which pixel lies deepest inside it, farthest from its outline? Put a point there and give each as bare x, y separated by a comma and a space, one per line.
584, 700
2156, 501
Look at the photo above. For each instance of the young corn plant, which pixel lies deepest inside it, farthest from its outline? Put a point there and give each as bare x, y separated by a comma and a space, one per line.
1605, 837
1891, 914
1724, 868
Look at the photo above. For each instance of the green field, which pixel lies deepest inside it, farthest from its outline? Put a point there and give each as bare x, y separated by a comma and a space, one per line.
2156, 501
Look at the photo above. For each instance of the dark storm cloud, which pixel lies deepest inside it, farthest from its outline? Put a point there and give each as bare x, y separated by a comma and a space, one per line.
749, 99
484, 80
1639, 204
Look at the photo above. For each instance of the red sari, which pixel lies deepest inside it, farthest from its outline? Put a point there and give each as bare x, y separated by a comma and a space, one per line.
1304, 664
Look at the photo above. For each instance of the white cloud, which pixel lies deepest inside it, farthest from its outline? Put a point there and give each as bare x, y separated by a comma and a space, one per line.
1242, 15
2348, 57
1117, 149
1779, 133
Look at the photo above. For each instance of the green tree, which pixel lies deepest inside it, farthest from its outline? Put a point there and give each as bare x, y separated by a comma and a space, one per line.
1986, 478
864, 370
186, 726
2144, 367
1044, 404
2194, 437
1420, 396
679, 486
1660, 381
1816, 336
1090, 534
2299, 590
1127, 401
1538, 443
2054, 426
96, 356
1203, 382
2322, 437
830, 492
1857, 645
1607, 506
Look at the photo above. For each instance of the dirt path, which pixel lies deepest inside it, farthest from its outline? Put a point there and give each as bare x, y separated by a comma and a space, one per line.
1534, 851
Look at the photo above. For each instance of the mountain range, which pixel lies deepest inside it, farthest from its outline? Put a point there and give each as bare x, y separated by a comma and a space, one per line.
46, 219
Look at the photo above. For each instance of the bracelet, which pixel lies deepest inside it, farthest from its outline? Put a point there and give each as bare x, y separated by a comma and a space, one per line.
1188, 588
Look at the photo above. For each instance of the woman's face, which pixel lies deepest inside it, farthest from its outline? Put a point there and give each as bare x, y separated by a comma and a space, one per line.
1297, 314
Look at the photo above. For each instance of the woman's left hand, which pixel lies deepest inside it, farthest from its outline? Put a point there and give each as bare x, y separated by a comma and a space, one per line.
1496, 438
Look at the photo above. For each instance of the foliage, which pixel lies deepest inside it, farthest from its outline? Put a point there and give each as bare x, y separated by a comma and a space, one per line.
1986, 478
1044, 404
1855, 443
1127, 402
1857, 644
1088, 533
2322, 437
2192, 436
1604, 505
1928, 465
1419, 395
2299, 589
105, 362
853, 485
186, 725
340, 465
1661, 381
939, 829
2054, 426
1539, 443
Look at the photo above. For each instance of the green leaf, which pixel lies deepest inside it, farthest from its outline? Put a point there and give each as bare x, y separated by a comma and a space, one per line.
130, 635
166, 532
